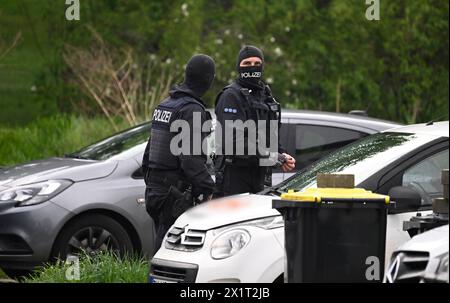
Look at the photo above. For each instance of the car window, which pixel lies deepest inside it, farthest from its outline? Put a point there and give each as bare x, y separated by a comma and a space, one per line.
116, 144
312, 142
425, 176
362, 158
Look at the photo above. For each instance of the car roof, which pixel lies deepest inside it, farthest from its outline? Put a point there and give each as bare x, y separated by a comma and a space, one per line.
439, 129
357, 120
341, 118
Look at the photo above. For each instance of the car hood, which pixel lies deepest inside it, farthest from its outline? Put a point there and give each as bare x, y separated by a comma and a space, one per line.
226, 211
55, 168
434, 241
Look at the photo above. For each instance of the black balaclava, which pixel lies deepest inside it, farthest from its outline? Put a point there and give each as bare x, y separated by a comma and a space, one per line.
199, 74
250, 76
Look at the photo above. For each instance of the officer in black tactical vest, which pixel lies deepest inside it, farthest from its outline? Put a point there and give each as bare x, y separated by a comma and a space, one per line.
176, 181
248, 98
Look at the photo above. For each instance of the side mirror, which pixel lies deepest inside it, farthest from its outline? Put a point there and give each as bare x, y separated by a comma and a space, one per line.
406, 199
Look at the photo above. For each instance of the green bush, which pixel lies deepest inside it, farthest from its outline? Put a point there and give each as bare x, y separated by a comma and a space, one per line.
52, 136
103, 268
320, 54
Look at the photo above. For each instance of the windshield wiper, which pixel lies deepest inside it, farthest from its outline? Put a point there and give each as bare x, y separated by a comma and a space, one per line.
271, 190
74, 156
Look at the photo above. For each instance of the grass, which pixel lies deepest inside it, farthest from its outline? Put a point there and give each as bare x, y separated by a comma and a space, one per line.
103, 268
52, 136
3, 275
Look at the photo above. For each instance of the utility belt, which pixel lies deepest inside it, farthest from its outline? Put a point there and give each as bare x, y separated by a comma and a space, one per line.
251, 161
178, 197
167, 178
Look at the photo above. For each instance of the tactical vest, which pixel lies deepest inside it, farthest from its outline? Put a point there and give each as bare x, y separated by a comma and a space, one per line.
160, 155
256, 109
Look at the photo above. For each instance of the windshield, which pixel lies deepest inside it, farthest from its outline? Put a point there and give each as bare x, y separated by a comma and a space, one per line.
362, 159
115, 144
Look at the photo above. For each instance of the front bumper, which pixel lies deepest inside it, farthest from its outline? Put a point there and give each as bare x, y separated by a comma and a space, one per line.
172, 271
261, 261
27, 234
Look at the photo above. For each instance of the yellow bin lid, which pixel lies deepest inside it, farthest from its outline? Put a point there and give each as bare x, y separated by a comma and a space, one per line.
319, 194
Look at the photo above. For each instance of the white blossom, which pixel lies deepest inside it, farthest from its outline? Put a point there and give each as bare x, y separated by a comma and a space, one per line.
184, 10
278, 51
269, 80
272, 39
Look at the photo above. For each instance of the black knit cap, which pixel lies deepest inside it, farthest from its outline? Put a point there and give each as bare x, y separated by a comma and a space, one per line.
249, 51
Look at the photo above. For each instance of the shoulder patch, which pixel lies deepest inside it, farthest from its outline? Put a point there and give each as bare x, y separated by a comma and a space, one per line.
230, 110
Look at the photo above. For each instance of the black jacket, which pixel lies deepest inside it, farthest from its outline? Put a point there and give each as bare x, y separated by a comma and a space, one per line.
231, 104
183, 105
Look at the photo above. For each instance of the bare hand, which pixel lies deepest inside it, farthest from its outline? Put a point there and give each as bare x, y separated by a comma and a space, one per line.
289, 164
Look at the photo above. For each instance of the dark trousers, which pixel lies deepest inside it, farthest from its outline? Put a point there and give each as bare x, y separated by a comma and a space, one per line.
158, 205
241, 179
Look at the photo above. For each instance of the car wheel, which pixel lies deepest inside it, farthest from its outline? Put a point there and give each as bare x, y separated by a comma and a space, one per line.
92, 234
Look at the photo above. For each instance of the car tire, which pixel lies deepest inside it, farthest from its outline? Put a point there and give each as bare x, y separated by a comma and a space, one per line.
92, 234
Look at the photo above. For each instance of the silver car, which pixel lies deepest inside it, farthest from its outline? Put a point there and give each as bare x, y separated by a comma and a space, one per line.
422, 259
93, 199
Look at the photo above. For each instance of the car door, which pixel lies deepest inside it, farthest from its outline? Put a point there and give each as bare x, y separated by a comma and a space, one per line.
423, 173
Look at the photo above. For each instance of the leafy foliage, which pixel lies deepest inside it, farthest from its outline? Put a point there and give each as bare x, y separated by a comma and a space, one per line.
320, 54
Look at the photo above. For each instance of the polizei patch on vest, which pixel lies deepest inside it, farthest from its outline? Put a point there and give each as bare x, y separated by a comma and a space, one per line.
251, 75
162, 115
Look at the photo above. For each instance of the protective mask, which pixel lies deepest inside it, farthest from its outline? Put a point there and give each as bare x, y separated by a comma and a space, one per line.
250, 74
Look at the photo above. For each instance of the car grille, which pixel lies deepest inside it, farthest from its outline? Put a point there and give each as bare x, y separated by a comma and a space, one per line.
172, 271
184, 239
407, 267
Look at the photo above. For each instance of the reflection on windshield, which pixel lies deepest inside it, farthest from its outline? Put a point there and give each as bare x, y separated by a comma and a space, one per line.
362, 158
115, 145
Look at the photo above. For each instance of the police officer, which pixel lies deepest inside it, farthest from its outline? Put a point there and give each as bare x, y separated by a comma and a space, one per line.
247, 98
176, 179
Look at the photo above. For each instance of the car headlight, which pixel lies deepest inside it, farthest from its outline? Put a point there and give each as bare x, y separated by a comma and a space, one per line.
229, 243
265, 223
35, 193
